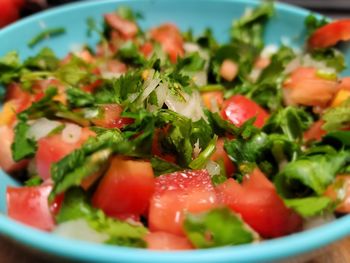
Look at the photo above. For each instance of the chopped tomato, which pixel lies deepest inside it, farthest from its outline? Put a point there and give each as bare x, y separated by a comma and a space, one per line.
111, 117
29, 205
257, 201
92, 86
9, 11
6, 161
126, 28
53, 148
228, 70
262, 62
146, 49
21, 98
126, 188
166, 241
344, 84
238, 109
169, 36
330, 34
339, 192
315, 132
175, 195
220, 154
306, 88
213, 100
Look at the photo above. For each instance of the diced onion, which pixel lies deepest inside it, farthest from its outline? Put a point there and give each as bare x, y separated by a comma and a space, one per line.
190, 108
200, 78
111, 75
191, 47
71, 133
149, 88
213, 168
196, 149
79, 229
41, 128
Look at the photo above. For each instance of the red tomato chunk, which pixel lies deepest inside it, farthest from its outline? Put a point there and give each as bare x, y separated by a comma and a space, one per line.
29, 205
125, 189
178, 193
257, 201
238, 109
166, 241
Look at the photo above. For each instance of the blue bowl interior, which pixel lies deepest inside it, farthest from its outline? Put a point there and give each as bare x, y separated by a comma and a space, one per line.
218, 15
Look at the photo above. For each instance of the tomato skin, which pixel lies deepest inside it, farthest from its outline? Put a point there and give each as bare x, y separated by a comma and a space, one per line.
146, 49
257, 201
238, 109
126, 188
9, 11
178, 193
169, 36
6, 161
126, 28
306, 88
51, 149
220, 154
29, 205
166, 241
111, 117
315, 132
330, 34
339, 191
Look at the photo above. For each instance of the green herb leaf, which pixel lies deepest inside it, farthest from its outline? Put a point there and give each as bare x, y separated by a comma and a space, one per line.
33, 181
218, 227
78, 98
312, 23
22, 146
161, 166
337, 118
204, 156
311, 173
48, 33
309, 206
44, 60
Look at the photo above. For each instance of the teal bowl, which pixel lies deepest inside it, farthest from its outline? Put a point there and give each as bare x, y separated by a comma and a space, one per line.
217, 14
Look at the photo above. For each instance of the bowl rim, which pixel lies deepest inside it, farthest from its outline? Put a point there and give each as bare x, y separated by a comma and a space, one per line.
274, 249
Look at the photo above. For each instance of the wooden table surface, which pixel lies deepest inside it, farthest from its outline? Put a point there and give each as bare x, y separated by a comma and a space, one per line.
11, 252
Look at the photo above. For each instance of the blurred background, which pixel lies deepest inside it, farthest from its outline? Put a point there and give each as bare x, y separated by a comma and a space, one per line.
11, 10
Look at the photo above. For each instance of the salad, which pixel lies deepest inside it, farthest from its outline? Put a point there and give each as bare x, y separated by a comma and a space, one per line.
165, 140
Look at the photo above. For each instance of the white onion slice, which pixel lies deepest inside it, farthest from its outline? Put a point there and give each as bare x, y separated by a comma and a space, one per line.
213, 168
41, 128
149, 88
191, 47
71, 133
80, 229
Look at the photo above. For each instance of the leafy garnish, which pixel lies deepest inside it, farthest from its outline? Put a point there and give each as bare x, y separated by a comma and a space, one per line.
218, 227
310, 206
47, 33
312, 23
311, 173
337, 118
22, 146
76, 206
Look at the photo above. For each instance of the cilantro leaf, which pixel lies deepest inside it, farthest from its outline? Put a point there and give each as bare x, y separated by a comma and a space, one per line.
309, 206
10, 66
45, 34
76, 206
312, 23
44, 60
249, 28
22, 146
310, 173
218, 227
331, 57
290, 121
337, 118
161, 166
79, 98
